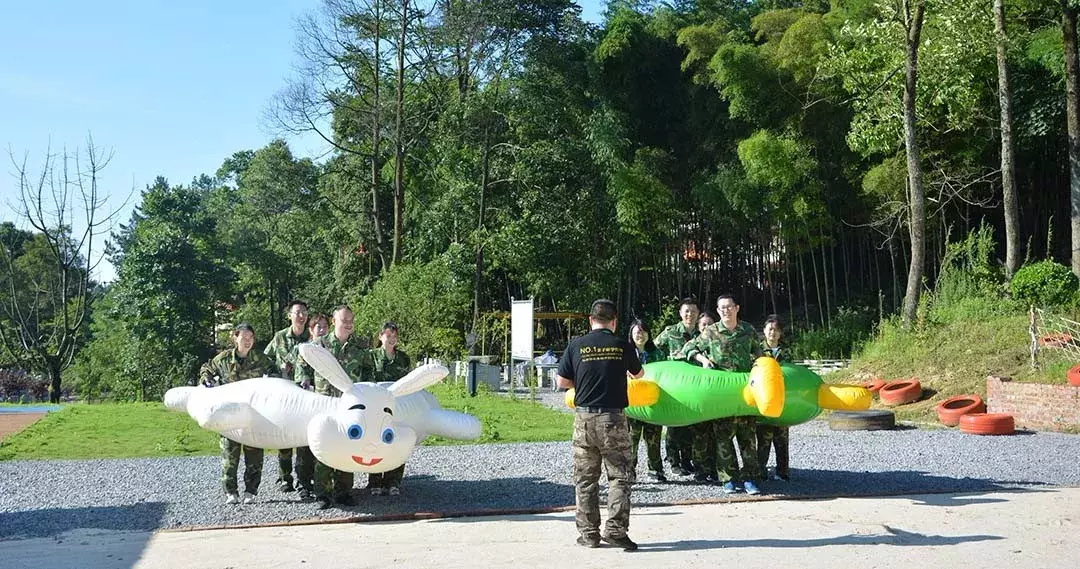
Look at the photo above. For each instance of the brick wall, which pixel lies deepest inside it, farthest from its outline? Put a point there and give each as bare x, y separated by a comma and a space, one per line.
1035, 406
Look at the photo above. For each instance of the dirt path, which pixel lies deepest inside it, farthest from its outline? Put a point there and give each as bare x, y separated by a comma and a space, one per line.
11, 423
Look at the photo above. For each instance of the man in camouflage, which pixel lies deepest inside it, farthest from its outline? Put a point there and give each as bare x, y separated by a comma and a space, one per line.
730, 345
774, 436
318, 326
387, 363
679, 440
335, 486
280, 350
228, 366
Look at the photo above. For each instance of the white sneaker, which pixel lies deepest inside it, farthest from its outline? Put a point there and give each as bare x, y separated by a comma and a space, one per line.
232, 499
249, 497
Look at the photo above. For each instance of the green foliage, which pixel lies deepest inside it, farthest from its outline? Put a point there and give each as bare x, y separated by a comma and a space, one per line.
1044, 284
429, 302
776, 162
851, 327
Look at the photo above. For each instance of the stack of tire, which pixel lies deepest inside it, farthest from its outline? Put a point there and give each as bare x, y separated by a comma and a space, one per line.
969, 412
870, 420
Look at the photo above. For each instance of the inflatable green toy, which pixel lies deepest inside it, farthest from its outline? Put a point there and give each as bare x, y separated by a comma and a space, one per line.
677, 394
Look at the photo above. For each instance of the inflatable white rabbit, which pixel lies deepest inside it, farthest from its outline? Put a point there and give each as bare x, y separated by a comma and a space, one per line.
370, 428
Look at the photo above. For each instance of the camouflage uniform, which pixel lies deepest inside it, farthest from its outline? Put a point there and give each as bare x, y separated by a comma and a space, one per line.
774, 436
679, 440
732, 350
281, 349
650, 432
381, 367
350, 355
228, 367
602, 440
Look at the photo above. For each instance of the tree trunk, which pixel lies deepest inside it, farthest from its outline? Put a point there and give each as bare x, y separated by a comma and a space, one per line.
817, 281
805, 294
895, 276
914, 21
1008, 161
376, 141
399, 143
1072, 111
53, 364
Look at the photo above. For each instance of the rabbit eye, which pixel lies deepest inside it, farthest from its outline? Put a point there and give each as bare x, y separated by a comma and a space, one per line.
355, 432
388, 436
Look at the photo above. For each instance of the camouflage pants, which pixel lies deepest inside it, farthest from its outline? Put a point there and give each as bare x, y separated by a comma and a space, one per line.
651, 433
230, 464
743, 430
776, 437
305, 469
387, 479
602, 440
679, 444
703, 447
330, 482
284, 465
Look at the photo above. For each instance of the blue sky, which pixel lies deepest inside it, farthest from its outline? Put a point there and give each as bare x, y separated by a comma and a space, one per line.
170, 88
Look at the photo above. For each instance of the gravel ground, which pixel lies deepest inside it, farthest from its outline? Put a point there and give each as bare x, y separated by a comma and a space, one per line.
47, 498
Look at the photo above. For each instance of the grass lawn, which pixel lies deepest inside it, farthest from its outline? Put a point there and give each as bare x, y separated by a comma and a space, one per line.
122, 430
953, 356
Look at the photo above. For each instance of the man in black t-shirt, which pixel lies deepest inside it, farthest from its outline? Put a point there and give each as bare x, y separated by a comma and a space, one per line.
596, 366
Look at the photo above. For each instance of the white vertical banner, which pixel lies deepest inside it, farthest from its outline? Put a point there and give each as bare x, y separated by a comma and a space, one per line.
521, 329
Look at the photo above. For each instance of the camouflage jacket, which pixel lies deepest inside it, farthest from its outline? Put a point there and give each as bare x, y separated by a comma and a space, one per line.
733, 350
281, 349
673, 338
780, 353
379, 367
227, 367
350, 354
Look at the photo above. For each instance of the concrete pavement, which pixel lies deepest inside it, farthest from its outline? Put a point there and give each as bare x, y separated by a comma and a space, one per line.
1028, 529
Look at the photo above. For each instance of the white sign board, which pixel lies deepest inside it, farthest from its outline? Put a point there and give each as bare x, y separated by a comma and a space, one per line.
521, 329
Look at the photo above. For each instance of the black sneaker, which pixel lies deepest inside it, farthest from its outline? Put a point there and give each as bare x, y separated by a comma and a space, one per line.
657, 477
701, 477
624, 542
285, 486
345, 500
304, 494
324, 503
681, 471
592, 541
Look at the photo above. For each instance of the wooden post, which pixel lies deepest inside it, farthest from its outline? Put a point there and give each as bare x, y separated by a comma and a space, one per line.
1034, 338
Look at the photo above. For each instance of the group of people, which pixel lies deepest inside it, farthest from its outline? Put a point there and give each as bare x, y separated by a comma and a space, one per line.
598, 364
281, 358
706, 450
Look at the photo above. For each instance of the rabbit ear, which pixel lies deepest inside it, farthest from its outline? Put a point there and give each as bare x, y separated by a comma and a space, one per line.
418, 379
326, 365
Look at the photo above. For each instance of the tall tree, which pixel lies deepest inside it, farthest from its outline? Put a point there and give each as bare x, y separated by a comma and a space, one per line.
1072, 110
914, 11
1008, 160
62, 202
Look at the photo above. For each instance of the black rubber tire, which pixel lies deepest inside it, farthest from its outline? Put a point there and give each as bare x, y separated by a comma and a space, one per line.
874, 420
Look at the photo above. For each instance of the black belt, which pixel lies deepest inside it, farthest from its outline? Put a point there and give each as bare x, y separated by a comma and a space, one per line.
599, 409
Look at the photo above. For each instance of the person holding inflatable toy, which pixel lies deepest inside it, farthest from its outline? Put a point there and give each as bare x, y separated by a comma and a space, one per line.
730, 345
387, 363
280, 348
335, 486
679, 440
596, 366
228, 366
774, 436
318, 325
646, 352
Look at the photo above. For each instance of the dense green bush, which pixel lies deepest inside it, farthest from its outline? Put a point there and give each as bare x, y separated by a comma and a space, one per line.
851, 326
1045, 284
